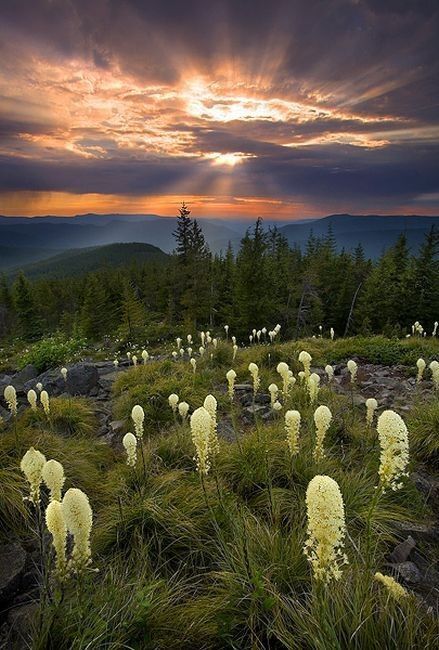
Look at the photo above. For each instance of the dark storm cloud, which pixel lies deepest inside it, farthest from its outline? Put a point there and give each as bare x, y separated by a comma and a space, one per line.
370, 67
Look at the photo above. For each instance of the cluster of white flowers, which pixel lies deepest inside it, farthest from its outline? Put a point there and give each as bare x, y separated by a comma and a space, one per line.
326, 528
173, 402
211, 405
231, 376
420, 364
313, 384
53, 477
394, 442
138, 417
322, 421
129, 442
254, 371
32, 399
44, 399
200, 429
353, 369
434, 367
292, 428
305, 359
329, 373
371, 407
10, 396
32, 465
287, 378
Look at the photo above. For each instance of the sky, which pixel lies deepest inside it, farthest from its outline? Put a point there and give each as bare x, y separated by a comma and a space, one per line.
283, 109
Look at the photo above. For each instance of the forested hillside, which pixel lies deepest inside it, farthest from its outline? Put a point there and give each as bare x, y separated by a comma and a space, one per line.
267, 280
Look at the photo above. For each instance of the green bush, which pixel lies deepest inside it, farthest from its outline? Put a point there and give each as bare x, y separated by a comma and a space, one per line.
52, 351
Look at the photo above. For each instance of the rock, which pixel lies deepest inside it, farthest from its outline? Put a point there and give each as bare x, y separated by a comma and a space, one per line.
408, 572
21, 620
20, 378
82, 378
12, 568
428, 532
255, 409
117, 426
225, 430
244, 387
402, 551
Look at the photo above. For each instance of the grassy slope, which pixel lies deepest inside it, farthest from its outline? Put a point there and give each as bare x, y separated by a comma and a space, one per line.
187, 565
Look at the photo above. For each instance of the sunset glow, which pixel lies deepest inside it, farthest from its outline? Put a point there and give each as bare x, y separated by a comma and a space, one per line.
134, 116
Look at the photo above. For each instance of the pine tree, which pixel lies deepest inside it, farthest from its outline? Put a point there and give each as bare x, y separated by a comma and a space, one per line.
94, 308
133, 312
27, 314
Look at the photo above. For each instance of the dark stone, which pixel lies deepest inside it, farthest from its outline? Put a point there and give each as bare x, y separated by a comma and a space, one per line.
408, 572
12, 568
427, 532
26, 374
402, 551
21, 620
82, 378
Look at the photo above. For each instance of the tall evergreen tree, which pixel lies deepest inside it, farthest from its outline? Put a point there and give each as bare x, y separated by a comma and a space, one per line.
27, 314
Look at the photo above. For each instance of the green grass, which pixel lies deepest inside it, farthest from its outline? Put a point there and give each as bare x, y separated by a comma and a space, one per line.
220, 564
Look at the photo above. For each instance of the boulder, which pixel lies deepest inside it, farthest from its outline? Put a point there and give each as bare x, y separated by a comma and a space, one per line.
12, 569
82, 379
402, 551
20, 378
408, 572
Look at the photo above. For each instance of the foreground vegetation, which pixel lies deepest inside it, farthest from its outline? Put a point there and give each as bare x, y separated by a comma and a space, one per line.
193, 560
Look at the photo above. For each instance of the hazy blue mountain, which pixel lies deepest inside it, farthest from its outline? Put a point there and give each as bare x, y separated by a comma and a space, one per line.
374, 232
29, 240
84, 260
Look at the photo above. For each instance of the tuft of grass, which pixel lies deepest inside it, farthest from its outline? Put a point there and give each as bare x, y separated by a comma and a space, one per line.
69, 416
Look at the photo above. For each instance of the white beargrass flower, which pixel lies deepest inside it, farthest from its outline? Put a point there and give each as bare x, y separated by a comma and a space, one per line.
371, 407
329, 372
10, 396
78, 516
393, 587
215, 343
326, 528
138, 417
174, 354
183, 409
32, 465
301, 376
44, 399
353, 369
211, 405
305, 359
254, 371
173, 401
129, 442
201, 350
53, 477
292, 428
193, 364
182, 352
226, 328
235, 350
271, 334
287, 377
421, 367
234, 340
200, 429
231, 376
56, 526
189, 339
178, 341
258, 335
322, 421
134, 360
274, 392
277, 328
39, 387
64, 373
129, 356
116, 363
394, 442
145, 356
332, 333
436, 324
32, 399
203, 338
250, 338
434, 367
189, 352
313, 384
277, 406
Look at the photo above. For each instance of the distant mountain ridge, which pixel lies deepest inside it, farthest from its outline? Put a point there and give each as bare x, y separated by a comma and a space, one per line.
24, 240
85, 260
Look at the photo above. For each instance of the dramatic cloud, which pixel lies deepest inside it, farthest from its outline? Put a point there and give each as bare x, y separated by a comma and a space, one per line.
286, 108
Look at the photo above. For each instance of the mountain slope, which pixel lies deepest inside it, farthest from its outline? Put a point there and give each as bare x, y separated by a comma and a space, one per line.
81, 261
374, 232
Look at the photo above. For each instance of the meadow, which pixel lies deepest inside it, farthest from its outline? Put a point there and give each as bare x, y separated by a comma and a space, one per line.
252, 498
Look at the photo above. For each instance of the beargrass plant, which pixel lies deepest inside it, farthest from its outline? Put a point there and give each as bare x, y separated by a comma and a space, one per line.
219, 563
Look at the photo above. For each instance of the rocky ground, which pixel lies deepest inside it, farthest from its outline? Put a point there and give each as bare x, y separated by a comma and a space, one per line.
391, 385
